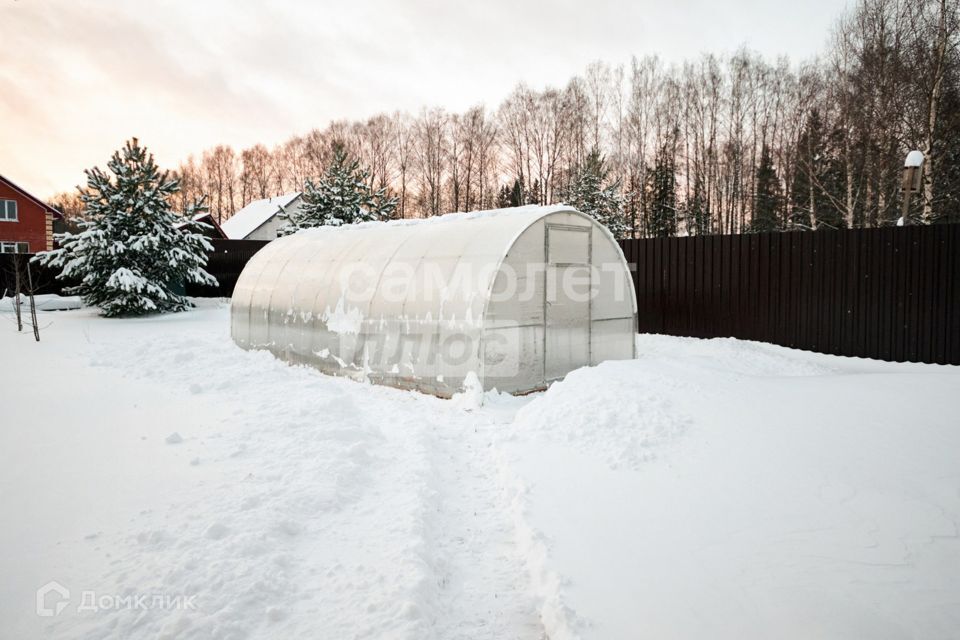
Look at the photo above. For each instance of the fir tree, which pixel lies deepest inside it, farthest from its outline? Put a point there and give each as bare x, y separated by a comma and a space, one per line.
341, 196
590, 194
132, 250
513, 196
662, 218
503, 197
767, 197
533, 193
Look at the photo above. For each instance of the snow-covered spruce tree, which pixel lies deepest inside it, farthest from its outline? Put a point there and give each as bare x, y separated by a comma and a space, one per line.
341, 196
132, 249
589, 194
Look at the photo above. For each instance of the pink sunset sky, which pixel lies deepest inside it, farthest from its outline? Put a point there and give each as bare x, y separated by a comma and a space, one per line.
78, 77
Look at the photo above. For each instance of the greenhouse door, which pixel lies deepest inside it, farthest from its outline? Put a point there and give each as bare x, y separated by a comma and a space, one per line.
567, 300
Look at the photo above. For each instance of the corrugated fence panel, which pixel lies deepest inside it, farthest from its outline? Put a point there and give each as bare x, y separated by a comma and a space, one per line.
891, 294
225, 263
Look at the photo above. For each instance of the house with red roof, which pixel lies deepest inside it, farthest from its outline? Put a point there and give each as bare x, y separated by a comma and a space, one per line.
26, 222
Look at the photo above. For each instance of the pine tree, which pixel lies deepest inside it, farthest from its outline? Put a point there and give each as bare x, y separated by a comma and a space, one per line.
341, 196
132, 250
590, 194
767, 197
662, 215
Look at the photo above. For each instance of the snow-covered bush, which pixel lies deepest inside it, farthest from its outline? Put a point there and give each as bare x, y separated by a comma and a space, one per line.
341, 196
132, 249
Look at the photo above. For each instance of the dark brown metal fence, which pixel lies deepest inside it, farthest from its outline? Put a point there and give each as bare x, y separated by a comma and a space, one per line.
44, 280
891, 294
226, 262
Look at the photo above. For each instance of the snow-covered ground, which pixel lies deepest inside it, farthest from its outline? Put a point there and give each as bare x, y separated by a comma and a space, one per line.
720, 489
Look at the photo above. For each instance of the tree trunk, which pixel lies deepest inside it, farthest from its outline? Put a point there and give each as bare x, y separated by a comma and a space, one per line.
933, 107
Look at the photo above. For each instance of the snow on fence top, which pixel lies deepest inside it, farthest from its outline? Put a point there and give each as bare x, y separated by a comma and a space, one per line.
518, 297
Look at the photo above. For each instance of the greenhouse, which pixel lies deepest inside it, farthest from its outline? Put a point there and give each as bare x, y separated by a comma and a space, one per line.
511, 298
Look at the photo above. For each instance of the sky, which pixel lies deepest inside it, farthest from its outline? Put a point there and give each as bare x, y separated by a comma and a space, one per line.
78, 77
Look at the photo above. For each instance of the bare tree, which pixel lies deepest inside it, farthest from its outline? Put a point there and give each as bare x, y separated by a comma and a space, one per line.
430, 151
255, 175
835, 130
219, 167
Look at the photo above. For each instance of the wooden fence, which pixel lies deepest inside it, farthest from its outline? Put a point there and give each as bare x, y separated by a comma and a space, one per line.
891, 294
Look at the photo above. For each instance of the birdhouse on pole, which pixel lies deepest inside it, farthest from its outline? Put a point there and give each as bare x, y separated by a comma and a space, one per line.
912, 177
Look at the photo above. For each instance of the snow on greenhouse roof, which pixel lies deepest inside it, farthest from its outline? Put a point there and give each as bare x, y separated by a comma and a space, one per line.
252, 216
527, 214
536, 210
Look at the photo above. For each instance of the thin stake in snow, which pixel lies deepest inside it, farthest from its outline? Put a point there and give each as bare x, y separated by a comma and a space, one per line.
21, 271
16, 292
33, 304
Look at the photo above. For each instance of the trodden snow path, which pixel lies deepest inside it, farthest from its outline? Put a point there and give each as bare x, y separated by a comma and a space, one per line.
482, 585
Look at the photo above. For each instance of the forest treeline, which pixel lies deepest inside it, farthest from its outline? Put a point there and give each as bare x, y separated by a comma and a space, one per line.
719, 144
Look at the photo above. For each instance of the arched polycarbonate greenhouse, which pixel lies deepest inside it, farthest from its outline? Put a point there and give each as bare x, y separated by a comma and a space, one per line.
518, 297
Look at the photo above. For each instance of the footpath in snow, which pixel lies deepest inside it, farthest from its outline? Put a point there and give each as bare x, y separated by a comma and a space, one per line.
707, 489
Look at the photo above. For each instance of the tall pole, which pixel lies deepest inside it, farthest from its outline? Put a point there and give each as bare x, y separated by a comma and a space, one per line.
905, 211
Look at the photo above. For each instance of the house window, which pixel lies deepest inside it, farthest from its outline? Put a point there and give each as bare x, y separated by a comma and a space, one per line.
14, 247
8, 210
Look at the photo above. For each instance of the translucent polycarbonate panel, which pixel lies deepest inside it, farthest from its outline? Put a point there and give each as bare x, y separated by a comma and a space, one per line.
568, 299
285, 313
513, 325
566, 245
614, 309
240, 302
612, 339
615, 296
517, 297
335, 320
417, 305
513, 358
300, 324
241, 308
467, 297
261, 314
567, 323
